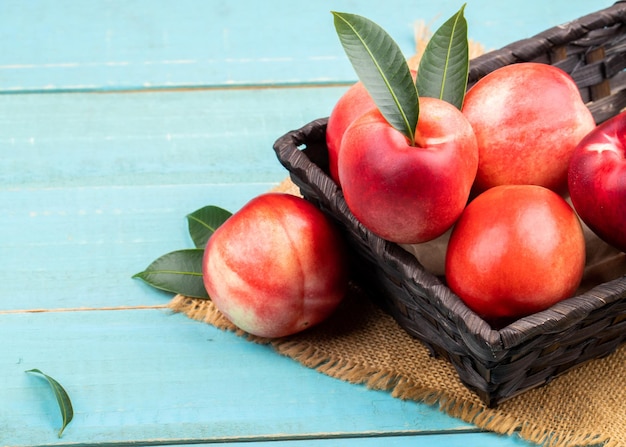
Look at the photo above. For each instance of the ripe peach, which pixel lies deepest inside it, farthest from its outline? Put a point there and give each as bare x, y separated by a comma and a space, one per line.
597, 180
276, 267
515, 250
403, 193
527, 117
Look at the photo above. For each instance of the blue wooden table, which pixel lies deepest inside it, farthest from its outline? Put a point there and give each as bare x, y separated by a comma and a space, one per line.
117, 119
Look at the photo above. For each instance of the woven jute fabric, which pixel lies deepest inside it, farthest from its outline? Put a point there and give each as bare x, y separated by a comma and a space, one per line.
361, 344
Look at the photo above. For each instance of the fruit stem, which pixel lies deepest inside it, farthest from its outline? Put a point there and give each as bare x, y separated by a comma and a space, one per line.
418, 141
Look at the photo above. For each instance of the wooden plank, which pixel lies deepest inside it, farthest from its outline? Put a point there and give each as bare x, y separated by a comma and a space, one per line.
181, 137
149, 376
93, 187
78, 247
52, 45
434, 440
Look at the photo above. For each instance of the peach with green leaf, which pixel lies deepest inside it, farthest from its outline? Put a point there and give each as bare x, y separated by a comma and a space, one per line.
406, 167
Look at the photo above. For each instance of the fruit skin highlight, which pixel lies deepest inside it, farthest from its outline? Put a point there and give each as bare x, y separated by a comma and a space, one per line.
515, 250
597, 180
527, 117
409, 194
276, 267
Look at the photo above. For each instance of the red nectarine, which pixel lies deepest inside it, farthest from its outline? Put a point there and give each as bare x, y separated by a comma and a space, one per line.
403, 193
515, 250
276, 267
527, 117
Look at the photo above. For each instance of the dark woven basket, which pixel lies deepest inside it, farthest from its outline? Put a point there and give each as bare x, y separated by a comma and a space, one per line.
495, 364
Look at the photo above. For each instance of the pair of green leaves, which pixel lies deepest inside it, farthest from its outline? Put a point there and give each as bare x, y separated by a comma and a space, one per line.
383, 69
180, 271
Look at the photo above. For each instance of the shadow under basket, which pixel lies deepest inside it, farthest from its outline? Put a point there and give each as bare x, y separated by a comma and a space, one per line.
495, 364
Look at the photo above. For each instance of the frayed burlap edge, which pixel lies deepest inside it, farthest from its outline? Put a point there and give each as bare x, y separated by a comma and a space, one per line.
473, 412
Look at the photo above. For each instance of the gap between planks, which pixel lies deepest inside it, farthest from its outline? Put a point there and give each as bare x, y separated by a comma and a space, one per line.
83, 309
98, 89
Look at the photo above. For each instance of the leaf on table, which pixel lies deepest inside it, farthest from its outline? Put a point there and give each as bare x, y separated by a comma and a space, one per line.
63, 399
177, 272
204, 222
382, 68
444, 66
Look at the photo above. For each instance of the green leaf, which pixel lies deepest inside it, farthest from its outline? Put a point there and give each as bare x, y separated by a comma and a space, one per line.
63, 399
204, 222
177, 272
444, 66
382, 68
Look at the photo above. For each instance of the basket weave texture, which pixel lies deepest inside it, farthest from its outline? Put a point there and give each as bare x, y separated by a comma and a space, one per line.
495, 364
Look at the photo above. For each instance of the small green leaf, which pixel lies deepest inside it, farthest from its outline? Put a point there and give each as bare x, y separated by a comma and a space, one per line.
382, 68
177, 272
204, 222
63, 399
443, 68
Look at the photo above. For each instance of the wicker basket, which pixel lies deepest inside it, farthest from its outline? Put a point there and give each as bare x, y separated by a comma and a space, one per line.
495, 364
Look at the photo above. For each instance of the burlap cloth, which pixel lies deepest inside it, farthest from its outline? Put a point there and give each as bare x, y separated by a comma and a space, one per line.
363, 345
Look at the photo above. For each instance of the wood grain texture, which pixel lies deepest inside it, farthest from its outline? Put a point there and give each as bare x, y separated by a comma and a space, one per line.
57, 45
147, 376
155, 138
